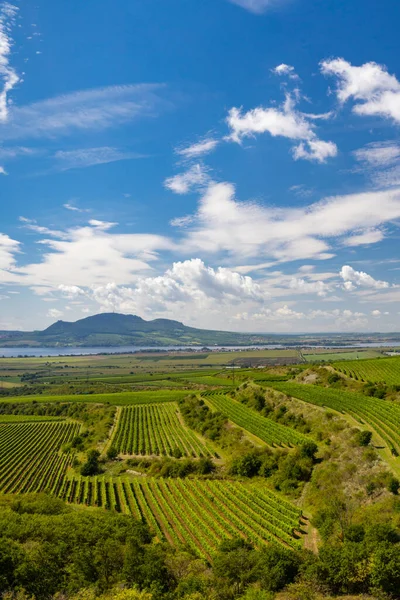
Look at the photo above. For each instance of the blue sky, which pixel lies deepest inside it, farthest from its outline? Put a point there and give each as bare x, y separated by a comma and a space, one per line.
233, 164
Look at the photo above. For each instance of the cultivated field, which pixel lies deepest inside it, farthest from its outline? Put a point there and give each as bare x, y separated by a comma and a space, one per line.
156, 429
385, 370
265, 429
30, 455
380, 415
198, 513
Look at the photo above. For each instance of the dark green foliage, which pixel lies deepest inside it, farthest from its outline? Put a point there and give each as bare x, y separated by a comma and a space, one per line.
91, 466
308, 450
112, 453
393, 485
199, 417
364, 438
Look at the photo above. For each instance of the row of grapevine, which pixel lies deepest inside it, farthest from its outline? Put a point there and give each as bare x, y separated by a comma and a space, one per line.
385, 370
30, 458
266, 429
381, 415
155, 429
198, 514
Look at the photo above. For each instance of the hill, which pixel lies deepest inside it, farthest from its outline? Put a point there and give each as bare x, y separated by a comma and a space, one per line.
113, 329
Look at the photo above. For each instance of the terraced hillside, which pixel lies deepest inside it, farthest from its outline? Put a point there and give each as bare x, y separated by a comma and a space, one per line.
381, 415
265, 429
385, 370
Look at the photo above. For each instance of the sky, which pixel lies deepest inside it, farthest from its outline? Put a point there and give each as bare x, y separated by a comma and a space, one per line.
232, 164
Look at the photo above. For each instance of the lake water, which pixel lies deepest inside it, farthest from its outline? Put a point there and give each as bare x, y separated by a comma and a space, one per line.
52, 352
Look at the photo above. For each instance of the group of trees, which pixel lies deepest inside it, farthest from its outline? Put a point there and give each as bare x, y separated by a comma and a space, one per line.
287, 468
47, 549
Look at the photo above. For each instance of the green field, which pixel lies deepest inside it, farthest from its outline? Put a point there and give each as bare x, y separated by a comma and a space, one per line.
385, 370
30, 457
329, 355
118, 399
199, 513
155, 429
265, 429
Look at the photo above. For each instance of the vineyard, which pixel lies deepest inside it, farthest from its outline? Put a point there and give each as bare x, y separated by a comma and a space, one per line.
267, 430
380, 415
385, 370
199, 514
155, 429
117, 399
30, 457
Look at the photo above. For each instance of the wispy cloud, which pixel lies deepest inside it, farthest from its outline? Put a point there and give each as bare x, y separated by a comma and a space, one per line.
95, 109
257, 6
88, 157
73, 208
8, 75
193, 178
201, 148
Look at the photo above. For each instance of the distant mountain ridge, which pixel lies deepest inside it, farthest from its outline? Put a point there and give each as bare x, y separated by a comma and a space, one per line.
113, 329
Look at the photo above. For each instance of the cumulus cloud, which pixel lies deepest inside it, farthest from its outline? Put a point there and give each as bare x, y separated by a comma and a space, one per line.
285, 121
201, 148
190, 283
358, 279
286, 70
193, 178
370, 86
8, 75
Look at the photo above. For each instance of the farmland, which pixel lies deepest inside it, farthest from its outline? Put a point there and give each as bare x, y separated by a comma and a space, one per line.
200, 513
30, 455
203, 457
382, 416
266, 430
156, 429
385, 370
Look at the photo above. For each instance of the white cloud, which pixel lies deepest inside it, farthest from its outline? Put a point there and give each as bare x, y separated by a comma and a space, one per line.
54, 313
8, 75
86, 255
368, 236
257, 6
378, 154
358, 279
189, 283
286, 70
373, 89
89, 110
245, 230
3, 171
286, 122
88, 157
317, 150
376, 313
201, 148
380, 161
193, 178
73, 208
8, 249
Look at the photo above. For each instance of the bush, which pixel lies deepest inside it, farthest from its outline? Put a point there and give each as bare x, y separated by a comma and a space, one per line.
112, 453
364, 438
91, 466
